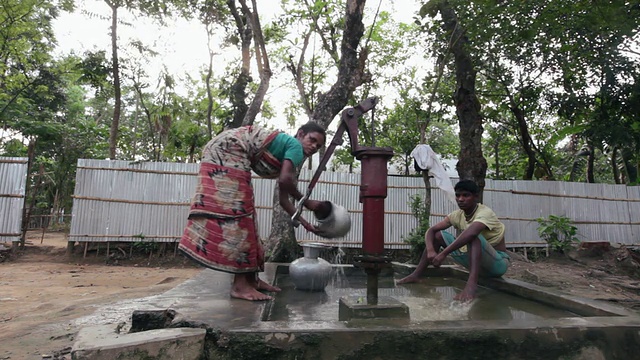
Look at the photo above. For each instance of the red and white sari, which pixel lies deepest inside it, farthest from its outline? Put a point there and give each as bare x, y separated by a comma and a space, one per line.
221, 231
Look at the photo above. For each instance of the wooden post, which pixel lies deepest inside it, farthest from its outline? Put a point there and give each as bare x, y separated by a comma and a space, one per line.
70, 246
43, 231
25, 215
86, 243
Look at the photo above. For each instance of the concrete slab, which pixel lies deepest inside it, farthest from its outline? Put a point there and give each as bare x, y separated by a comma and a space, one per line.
104, 343
237, 330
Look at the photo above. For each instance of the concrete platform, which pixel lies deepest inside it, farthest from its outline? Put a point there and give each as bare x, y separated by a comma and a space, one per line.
235, 329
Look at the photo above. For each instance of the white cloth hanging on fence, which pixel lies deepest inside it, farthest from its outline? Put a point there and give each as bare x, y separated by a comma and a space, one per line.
427, 160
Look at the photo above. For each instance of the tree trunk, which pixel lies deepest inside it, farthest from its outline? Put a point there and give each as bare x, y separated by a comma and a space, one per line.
262, 60
427, 195
149, 117
523, 129
113, 133
575, 167
208, 84
281, 246
238, 94
471, 163
630, 167
614, 165
590, 161
496, 155
25, 204
351, 74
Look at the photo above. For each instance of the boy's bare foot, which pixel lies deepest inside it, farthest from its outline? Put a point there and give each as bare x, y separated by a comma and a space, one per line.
411, 278
467, 294
266, 287
250, 294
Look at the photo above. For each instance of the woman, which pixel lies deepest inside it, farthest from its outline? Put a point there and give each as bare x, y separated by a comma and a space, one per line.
221, 232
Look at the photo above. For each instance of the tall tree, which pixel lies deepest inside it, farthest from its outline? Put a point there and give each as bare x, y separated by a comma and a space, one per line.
117, 93
248, 29
350, 61
471, 163
155, 10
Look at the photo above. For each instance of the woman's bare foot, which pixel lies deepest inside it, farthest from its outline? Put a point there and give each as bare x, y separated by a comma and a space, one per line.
249, 294
245, 287
266, 287
411, 278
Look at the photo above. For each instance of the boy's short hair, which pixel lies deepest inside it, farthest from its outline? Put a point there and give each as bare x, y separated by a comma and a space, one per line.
467, 185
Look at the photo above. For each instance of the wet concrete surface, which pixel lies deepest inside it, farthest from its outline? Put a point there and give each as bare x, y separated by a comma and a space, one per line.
204, 299
236, 329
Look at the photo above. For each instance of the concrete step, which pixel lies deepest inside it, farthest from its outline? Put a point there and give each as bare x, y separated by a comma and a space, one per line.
104, 343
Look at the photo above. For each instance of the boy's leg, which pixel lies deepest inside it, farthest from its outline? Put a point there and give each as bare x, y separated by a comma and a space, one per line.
428, 253
493, 263
474, 249
480, 257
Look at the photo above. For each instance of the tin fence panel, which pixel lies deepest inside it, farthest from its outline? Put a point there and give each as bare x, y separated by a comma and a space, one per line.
123, 201
13, 179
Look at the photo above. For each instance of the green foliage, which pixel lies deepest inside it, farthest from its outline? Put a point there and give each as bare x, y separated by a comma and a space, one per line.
342, 157
13, 148
145, 247
556, 75
26, 82
558, 232
415, 238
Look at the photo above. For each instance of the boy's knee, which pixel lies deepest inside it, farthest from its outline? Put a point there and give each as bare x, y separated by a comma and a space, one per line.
438, 239
476, 241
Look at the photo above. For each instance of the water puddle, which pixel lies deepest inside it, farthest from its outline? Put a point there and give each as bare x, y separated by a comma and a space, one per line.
430, 300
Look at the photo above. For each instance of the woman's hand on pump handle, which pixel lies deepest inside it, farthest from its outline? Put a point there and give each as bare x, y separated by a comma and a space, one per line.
307, 225
321, 210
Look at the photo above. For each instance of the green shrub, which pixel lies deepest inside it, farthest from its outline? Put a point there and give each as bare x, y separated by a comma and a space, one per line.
558, 232
415, 238
145, 247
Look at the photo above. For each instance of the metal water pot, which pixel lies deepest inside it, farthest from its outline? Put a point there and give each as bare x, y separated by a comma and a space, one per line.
311, 272
333, 221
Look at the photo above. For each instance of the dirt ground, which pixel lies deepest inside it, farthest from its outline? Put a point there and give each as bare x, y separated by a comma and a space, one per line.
42, 289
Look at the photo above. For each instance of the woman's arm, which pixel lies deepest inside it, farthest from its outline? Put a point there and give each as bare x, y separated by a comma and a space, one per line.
288, 188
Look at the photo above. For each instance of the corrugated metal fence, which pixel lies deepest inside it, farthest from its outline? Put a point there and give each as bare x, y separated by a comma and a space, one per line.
13, 179
122, 201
